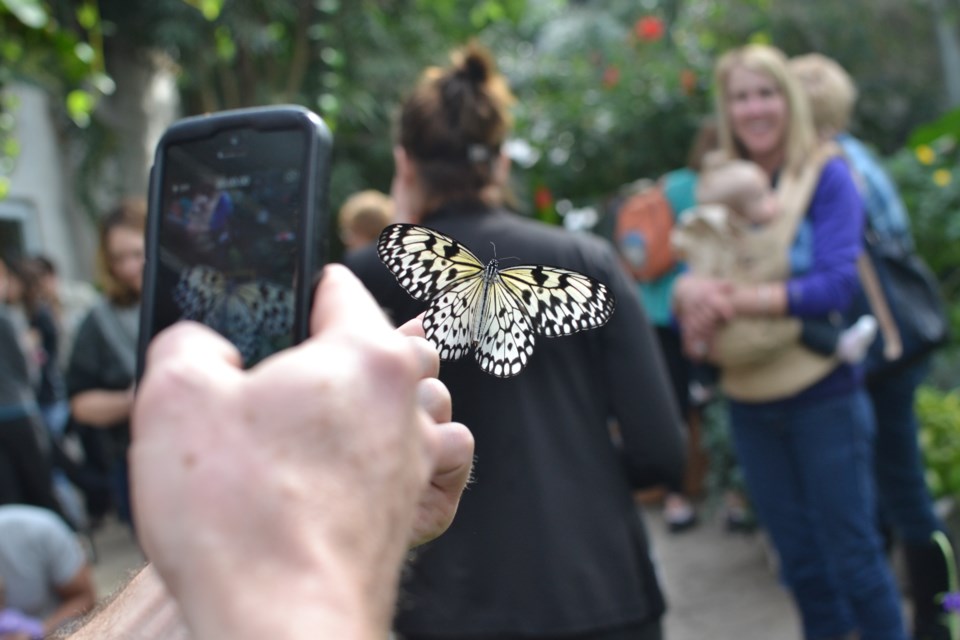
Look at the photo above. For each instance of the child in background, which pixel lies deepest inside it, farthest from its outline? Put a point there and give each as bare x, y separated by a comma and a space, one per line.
363, 216
735, 198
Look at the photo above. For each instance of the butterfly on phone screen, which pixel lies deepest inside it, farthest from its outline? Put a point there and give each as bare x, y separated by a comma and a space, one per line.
495, 312
250, 314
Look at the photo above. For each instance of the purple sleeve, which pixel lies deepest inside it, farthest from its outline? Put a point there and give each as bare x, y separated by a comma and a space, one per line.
836, 218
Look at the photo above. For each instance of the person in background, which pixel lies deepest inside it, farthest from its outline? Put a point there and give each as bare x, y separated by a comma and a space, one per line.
68, 300
102, 366
803, 426
25, 292
25, 475
678, 189
547, 542
904, 496
363, 216
44, 570
735, 200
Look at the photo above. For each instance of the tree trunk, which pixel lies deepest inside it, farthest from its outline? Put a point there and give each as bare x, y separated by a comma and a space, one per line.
948, 45
145, 102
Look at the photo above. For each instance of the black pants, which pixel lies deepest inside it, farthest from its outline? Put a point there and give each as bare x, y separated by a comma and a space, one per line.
644, 631
25, 476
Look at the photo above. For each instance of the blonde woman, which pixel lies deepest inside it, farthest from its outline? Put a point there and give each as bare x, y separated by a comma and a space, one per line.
803, 426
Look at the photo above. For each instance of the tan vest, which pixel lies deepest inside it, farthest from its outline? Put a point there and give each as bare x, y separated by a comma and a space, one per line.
759, 360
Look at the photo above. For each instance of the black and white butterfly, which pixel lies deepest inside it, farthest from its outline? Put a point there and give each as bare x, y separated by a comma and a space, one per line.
495, 312
252, 314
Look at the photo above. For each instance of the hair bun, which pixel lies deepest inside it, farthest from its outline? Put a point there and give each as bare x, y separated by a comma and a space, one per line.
475, 63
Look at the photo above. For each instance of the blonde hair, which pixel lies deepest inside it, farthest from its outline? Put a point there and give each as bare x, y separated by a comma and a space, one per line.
829, 89
455, 121
801, 138
130, 213
364, 215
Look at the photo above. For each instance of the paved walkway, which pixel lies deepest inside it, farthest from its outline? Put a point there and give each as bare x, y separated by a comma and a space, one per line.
718, 584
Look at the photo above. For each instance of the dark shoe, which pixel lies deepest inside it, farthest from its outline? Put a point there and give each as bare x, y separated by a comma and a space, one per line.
682, 524
740, 522
929, 578
679, 513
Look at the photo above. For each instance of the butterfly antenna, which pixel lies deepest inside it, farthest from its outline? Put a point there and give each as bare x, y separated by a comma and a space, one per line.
495, 254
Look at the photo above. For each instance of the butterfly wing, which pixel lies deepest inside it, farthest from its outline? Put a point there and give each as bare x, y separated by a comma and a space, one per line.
424, 261
448, 322
199, 290
559, 301
506, 335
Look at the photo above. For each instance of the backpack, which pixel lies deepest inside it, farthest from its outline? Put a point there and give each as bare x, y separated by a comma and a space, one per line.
644, 222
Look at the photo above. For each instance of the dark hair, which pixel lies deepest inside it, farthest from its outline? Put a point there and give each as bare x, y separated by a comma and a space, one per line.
455, 121
131, 214
44, 265
29, 279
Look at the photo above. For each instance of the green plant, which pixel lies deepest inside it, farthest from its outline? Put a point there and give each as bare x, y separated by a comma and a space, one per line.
926, 173
939, 415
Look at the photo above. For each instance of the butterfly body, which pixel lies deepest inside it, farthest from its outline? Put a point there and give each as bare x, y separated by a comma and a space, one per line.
496, 313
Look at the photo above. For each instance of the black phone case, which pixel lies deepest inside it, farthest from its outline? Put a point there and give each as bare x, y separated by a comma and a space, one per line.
312, 250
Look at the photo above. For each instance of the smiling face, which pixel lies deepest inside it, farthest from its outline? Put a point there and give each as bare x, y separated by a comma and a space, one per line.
758, 115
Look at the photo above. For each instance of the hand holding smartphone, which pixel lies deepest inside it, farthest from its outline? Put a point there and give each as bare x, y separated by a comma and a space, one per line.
235, 230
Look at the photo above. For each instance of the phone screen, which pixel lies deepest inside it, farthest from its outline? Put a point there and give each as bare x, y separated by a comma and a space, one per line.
227, 237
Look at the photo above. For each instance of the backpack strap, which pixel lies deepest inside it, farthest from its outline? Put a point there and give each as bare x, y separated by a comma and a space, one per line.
892, 345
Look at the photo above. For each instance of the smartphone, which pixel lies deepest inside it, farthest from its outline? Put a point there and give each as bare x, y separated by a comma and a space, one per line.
236, 227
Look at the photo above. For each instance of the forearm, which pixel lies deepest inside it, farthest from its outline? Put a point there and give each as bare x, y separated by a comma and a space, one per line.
69, 610
143, 610
768, 299
102, 408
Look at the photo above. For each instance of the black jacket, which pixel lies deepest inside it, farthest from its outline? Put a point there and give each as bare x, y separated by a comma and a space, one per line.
547, 540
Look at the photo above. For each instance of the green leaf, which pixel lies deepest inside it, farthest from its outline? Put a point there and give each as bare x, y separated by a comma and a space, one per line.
88, 16
11, 147
226, 47
30, 12
80, 105
948, 124
4, 187
11, 50
209, 8
84, 52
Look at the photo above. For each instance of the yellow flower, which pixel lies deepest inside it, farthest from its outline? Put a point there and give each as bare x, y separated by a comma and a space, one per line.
925, 154
942, 177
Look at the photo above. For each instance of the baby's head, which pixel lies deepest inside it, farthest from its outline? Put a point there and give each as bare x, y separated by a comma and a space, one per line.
740, 185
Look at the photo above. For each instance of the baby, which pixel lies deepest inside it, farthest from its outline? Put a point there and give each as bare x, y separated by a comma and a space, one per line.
734, 197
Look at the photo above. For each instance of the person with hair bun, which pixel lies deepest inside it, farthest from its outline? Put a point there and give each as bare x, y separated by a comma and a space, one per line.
547, 542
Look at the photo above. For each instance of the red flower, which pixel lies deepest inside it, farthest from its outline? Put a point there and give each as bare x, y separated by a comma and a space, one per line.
611, 76
649, 28
542, 198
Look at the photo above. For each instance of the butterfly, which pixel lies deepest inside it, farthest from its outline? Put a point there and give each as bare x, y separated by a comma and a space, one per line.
495, 312
251, 314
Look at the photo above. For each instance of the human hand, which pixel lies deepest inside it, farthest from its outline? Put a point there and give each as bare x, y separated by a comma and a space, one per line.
297, 481
701, 305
